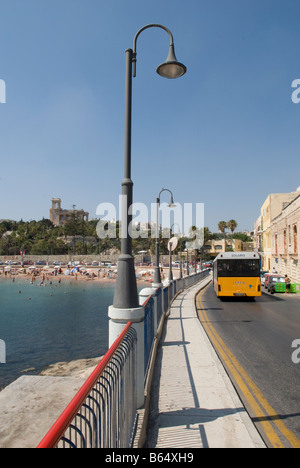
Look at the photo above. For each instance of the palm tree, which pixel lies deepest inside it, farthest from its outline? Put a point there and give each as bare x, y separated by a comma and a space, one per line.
232, 225
222, 225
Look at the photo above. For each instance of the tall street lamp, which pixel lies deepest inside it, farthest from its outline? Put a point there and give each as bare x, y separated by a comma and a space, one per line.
126, 302
187, 263
157, 277
126, 296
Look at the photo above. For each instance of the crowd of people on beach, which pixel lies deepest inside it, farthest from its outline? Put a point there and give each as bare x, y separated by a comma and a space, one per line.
33, 273
78, 273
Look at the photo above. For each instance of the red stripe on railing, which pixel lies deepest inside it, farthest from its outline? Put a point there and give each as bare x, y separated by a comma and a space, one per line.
59, 427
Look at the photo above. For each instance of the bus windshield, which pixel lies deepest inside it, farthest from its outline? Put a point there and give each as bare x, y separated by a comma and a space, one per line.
246, 268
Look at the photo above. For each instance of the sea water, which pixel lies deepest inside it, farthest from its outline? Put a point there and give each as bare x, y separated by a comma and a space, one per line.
41, 325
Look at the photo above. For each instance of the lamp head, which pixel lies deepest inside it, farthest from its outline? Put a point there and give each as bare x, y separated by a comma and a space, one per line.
172, 204
171, 68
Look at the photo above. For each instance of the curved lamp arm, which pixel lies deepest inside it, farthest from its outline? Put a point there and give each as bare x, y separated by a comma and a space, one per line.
171, 205
151, 26
171, 68
166, 190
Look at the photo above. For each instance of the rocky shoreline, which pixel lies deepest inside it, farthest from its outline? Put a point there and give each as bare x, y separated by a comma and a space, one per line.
81, 368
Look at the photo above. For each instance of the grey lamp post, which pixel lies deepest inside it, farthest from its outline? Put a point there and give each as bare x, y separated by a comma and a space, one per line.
170, 262
171, 269
187, 263
126, 296
157, 277
180, 261
126, 301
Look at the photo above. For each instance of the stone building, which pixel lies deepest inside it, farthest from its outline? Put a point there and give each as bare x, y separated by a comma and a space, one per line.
270, 210
59, 217
285, 240
214, 247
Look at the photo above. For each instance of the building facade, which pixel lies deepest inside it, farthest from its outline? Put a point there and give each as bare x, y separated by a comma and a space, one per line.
213, 247
271, 209
285, 240
60, 217
257, 234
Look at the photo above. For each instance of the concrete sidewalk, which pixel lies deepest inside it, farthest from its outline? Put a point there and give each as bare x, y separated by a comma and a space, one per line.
193, 402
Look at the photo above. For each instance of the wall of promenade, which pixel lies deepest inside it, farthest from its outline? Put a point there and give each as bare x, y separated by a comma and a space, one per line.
64, 259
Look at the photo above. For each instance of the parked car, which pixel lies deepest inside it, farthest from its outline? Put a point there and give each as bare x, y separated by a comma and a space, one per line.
264, 272
267, 278
272, 281
263, 277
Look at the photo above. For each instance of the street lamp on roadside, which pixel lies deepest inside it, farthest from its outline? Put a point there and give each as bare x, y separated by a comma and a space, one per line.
126, 305
187, 263
126, 296
157, 277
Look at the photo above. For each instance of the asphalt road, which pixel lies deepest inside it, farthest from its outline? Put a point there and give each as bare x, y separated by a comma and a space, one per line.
254, 341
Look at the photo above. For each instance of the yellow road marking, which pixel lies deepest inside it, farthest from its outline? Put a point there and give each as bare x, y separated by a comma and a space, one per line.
261, 408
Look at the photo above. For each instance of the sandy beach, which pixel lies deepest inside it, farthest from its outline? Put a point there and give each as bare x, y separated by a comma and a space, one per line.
45, 274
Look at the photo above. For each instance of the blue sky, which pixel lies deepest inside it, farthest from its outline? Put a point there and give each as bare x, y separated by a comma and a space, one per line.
226, 134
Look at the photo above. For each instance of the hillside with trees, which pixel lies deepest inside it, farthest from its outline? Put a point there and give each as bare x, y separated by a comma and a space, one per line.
79, 237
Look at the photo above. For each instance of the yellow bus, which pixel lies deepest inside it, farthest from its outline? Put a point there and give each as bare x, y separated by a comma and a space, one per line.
237, 274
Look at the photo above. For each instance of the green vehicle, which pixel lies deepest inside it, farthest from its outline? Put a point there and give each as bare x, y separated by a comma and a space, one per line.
276, 284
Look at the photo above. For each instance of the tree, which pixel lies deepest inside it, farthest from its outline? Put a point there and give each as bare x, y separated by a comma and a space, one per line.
222, 226
232, 225
243, 237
